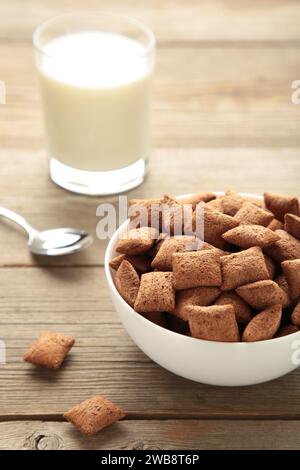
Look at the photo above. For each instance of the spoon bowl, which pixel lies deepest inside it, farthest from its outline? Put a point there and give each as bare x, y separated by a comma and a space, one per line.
59, 241
54, 242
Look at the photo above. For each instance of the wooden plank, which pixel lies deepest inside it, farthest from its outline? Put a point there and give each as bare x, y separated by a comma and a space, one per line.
46, 205
104, 360
207, 20
278, 127
154, 435
201, 64
198, 100
223, 79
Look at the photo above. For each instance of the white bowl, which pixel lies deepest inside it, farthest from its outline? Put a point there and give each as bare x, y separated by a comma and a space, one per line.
210, 362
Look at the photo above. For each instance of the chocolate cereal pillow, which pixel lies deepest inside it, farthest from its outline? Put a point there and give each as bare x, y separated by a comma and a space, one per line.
236, 280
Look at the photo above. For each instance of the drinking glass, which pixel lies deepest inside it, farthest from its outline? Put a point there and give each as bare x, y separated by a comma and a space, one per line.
95, 74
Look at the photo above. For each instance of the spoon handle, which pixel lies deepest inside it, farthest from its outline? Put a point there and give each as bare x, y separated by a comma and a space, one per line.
18, 219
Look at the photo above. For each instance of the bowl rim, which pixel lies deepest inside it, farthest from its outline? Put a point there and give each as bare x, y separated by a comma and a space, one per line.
109, 252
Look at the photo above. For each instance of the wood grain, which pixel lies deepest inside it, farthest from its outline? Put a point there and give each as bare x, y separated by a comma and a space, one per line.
26, 188
154, 435
222, 117
198, 99
208, 20
104, 359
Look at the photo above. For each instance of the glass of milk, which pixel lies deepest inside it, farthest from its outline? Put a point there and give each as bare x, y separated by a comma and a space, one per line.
95, 76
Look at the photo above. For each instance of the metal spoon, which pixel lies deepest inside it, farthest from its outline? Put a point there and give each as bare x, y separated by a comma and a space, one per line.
54, 242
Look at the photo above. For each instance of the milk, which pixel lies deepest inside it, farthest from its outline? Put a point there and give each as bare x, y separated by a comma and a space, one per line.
95, 88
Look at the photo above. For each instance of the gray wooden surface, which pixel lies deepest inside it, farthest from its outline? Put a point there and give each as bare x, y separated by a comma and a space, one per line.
222, 117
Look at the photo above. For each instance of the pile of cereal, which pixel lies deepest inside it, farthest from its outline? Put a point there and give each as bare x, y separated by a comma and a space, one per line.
241, 283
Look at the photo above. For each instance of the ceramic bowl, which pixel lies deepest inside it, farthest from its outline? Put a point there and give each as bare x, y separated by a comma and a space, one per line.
210, 362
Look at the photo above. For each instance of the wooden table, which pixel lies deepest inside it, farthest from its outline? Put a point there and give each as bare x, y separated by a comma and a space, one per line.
222, 117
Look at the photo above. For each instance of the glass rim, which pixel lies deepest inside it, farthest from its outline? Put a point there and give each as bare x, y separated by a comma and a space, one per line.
139, 24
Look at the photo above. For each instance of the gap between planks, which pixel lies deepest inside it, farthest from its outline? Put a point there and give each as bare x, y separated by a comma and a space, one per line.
55, 266
162, 416
198, 43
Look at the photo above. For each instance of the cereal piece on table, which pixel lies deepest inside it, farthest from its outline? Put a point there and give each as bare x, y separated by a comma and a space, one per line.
194, 199
292, 225
159, 318
163, 259
281, 280
263, 294
280, 205
141, 263
156, 293
178, 325
291, 269
249, 214
286, 248
196, 269
94, 414
242, 268
264, 325
201, 296
246, 236
214, 323
49, 350
241, 308
127, 282
275, 225
215, 224
271, 266
137, 241
296, 315
285, 330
